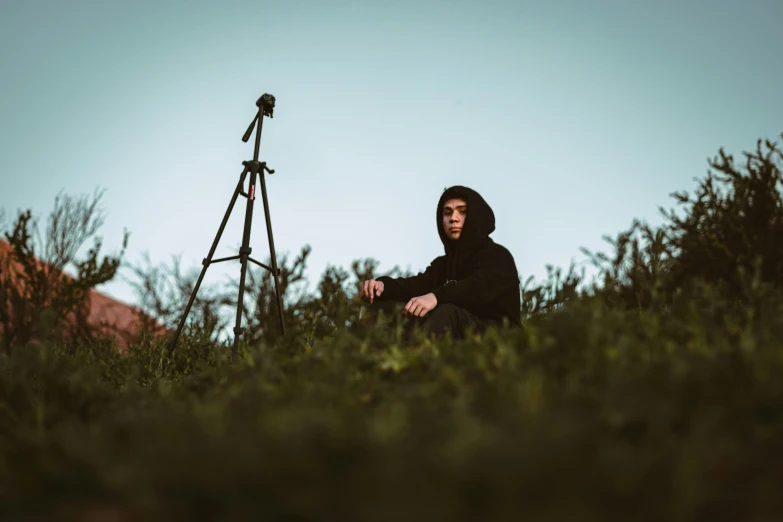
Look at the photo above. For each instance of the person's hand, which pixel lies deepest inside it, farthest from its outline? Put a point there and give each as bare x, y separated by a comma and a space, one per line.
371, 289
420, 306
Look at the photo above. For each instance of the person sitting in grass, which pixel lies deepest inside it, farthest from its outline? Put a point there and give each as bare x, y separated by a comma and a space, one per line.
474, 285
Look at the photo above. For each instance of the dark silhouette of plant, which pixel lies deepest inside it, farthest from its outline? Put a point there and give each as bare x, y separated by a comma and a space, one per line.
552, 295
163, 291
728, 229
732, 229
636, 277
260, 312
38, 299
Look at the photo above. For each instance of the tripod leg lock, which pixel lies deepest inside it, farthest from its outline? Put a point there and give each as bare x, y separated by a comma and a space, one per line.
238, 330
245, 251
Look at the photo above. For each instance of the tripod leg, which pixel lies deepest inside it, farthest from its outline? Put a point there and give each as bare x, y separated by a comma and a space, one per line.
208, 259
244, 252
272, 254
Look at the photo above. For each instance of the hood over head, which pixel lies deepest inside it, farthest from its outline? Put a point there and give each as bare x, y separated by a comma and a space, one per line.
479, 224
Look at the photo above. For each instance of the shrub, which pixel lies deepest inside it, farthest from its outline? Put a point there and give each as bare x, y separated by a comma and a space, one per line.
38, 300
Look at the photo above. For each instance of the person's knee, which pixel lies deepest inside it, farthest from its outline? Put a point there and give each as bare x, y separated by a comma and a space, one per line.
443, 310
440, 319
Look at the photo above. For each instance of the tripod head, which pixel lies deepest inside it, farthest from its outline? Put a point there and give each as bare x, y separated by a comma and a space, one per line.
266, 106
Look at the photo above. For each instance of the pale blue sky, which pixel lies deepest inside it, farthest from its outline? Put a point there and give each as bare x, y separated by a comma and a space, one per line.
570, 117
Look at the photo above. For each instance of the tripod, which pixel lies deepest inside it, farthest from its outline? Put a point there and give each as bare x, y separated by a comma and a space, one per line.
266, 105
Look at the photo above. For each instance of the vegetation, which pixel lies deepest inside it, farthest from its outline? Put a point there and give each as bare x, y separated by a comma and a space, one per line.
39, 301
652, 393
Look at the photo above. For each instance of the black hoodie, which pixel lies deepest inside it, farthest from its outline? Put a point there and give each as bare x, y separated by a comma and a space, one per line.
475, 273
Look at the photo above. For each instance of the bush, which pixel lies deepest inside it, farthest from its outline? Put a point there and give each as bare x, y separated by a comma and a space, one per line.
38, 299
729, 237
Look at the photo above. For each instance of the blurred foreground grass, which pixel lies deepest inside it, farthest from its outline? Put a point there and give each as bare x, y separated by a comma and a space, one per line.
587, 414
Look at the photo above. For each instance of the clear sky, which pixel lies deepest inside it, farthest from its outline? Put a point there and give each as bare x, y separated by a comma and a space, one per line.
571, 117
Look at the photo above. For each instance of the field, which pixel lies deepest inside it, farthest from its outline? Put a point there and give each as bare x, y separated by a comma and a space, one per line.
586, 415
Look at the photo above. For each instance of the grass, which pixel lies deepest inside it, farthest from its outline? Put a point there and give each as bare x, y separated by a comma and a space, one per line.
587, 414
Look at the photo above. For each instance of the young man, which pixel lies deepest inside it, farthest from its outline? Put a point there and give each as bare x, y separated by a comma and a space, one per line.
474, 284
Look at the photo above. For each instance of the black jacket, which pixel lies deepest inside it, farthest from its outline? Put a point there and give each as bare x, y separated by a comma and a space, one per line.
475, 273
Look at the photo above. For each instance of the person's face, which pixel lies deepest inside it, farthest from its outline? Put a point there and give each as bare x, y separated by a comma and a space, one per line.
454, 213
